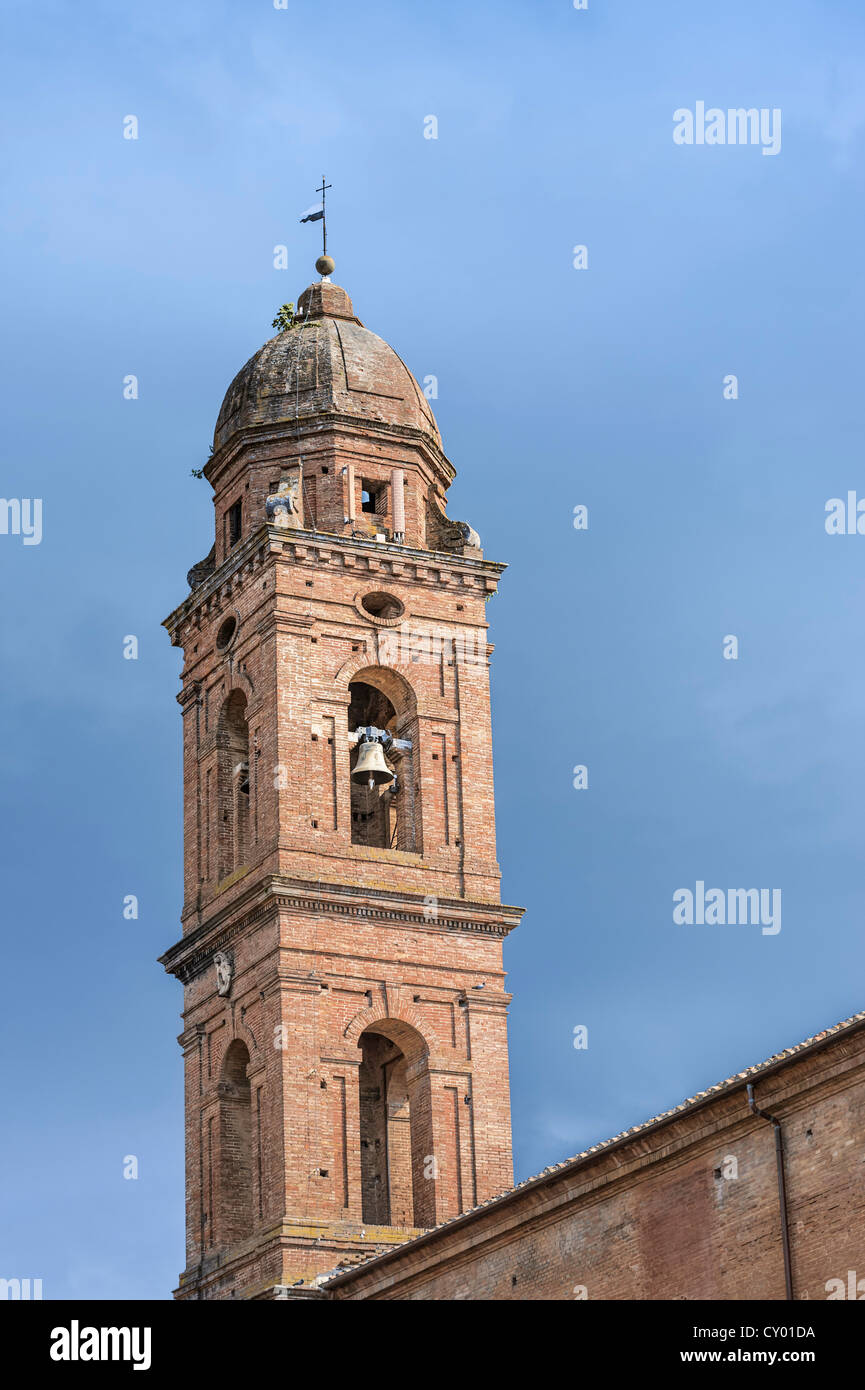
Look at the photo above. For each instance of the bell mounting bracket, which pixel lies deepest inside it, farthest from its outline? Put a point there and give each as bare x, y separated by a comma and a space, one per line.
368, 733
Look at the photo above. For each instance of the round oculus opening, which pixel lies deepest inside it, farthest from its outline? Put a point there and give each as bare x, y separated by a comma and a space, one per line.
226, 633
382, 605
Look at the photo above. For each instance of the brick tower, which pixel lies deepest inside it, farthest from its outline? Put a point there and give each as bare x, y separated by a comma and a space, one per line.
344, 1008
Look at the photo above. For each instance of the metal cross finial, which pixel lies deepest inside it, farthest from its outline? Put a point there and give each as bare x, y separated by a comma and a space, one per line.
322, 191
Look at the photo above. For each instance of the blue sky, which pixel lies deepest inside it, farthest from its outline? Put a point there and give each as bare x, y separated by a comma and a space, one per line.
557, 387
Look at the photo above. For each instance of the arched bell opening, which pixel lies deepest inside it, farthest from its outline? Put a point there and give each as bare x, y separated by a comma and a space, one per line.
374, 815
381, 771
396, 1142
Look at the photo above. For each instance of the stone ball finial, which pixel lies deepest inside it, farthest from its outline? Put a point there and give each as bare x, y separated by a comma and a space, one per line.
325, 265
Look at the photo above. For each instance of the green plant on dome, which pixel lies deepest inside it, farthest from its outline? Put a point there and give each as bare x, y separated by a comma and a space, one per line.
285, 318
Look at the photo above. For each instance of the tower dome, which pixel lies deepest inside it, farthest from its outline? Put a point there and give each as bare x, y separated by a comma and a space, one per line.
326, 429
327, 364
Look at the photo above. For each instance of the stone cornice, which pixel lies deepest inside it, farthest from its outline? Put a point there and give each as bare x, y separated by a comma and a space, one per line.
246, 553
194, 952
319, 423
190, 695
316, 546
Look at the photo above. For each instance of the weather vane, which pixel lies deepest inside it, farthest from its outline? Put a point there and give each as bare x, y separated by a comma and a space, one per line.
317, 213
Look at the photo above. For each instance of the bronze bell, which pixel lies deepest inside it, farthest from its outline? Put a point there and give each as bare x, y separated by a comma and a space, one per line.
371, 766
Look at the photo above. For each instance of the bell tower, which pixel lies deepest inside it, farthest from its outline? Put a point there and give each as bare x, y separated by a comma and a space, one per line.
344, 1035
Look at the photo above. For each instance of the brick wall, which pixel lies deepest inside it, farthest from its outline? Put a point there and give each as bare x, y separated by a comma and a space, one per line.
329, 937
686, 1208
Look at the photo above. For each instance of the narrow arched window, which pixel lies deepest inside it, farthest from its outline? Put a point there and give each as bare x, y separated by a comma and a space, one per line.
233, 785
396, 1141
233, 1197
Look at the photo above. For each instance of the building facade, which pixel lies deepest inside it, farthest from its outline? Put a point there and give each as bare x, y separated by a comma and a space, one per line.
688, 1206
344, 1036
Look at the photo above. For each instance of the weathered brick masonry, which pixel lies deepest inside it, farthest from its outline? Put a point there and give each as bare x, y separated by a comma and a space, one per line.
684, 1207
344, 1015
344, 1003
